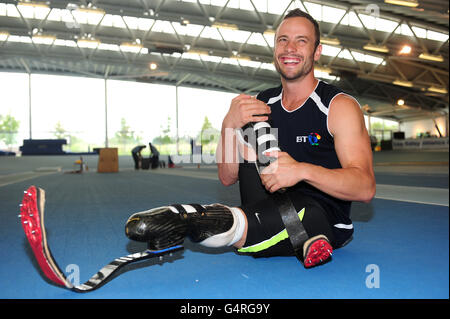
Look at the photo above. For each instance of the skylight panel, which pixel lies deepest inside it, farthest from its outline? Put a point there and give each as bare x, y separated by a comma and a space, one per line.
41, 13
270, 38
360, 57
2, 9
163, 26
257, 39
420, 32
80, 16
67, 18
211, 58
107, 20
109, 47
324, 75
330, 14
249, 63
65, 43
20, 39
230, 61
145, 24
117, 21
277, 7
11, 11
211, 33
26, 11
345, 54
329, 50
315, 10
246, 5
268, 66
132, 22
368, 20
31, 12
385, 25
373, 59
404, 30
437, 36
55, 15
180, 29
191, 56
261, 6
219, 3
233, 4
193, 30
235, 35
353, 20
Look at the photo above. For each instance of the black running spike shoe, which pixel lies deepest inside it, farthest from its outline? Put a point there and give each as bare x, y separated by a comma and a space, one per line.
168, 226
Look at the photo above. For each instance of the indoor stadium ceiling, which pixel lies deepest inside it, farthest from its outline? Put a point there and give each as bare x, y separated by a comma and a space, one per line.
227, 45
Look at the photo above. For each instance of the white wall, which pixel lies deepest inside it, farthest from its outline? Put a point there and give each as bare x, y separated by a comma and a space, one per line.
412, 128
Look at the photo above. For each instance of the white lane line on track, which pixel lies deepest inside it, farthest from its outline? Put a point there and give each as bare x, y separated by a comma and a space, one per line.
414, 194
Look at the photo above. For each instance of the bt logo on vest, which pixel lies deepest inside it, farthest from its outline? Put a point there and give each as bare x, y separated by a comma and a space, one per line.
312, 138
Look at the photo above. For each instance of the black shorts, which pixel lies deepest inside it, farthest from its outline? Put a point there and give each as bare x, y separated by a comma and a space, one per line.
267, 235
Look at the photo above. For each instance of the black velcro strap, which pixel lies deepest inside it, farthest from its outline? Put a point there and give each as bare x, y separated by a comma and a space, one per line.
199, 208
294, 227
179, 208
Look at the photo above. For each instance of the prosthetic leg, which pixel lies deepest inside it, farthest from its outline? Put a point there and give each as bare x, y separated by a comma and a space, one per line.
311, 252
32, 219
163, 229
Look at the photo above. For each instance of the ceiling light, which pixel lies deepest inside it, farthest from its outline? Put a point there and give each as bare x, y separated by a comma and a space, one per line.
406, 49
400, 102
240, 57
89, 43
131, 47
269, 32
376, 48
330, 41
227, 26
153, 66
405, 3
436, 89
199, 52
403, 83
431, 57
91, 10
34, 4
40, 38
323, 69
4, 35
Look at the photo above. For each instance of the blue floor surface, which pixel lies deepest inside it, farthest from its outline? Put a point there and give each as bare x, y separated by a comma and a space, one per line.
85, 215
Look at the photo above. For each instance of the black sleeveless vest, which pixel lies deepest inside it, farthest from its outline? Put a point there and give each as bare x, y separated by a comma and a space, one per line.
304, 134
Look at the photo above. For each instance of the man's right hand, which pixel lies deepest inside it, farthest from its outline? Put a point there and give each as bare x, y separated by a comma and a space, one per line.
244, 109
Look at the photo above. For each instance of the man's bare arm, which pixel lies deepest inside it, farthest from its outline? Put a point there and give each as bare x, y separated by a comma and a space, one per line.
354, 181
243, 109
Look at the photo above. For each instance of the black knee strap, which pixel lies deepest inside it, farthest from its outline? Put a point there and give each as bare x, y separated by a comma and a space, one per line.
182, 210
294, 227
262, 141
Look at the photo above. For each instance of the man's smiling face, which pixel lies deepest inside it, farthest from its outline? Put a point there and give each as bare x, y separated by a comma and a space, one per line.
295, 51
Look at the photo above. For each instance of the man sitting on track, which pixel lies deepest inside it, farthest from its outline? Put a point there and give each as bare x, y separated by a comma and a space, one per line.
323, 162
326, 163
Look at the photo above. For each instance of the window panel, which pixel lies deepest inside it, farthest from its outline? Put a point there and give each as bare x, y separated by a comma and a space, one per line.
13, 110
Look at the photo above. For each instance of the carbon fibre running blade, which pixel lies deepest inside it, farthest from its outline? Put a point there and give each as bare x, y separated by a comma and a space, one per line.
32, 219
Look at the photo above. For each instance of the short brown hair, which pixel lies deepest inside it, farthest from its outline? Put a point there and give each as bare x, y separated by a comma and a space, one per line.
301, 14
